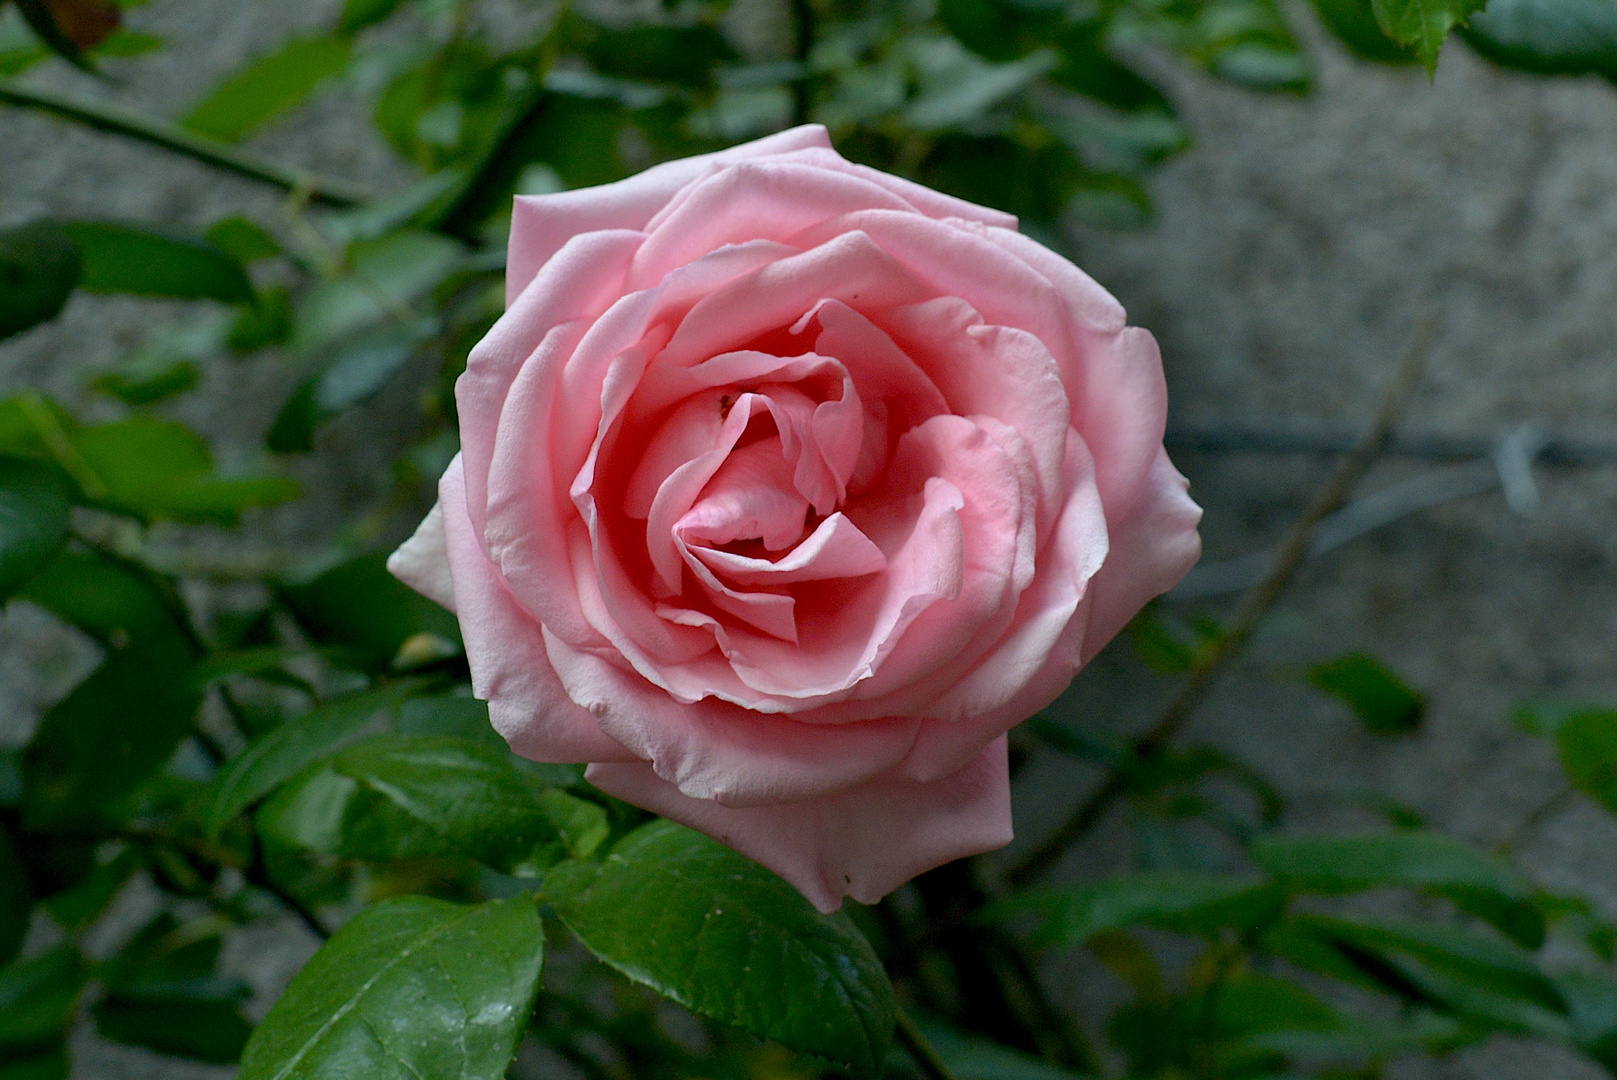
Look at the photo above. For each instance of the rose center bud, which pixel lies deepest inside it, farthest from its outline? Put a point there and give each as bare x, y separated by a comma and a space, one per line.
741, 490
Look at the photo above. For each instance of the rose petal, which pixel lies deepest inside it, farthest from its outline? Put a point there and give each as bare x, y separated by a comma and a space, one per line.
505, 648
836, 549
542, 224
863, 842
422, 562
721, 752
1152, 550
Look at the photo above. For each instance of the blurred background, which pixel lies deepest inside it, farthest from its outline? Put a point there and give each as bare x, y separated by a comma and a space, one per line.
1284, 220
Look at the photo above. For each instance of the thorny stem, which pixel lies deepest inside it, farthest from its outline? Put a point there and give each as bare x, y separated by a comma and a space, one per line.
926, 1056
1254, 606
120, 121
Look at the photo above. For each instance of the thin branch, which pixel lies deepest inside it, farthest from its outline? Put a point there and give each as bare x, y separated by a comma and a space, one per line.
926, 1056
171, 137
1288, 559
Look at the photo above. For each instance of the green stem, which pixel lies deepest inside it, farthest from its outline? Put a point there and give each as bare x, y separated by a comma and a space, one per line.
926, 1055
134, 125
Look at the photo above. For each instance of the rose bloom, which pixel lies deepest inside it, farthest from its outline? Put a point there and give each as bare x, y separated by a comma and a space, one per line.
786, 488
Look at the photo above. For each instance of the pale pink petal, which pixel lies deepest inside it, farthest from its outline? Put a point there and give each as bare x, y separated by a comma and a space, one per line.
583, 280
768, 199
422, 562
1152, 550
836, 549
934, 204
861, 843
505, 648
1040, 653
847, 267
721, 752
541, 224
998, 371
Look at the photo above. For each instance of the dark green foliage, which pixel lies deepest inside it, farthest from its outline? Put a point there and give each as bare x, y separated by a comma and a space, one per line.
16, 898
1548, 37
1379, 698
411, 987
120, 258
269, 87
366, 611
701, 925
38, 268
33, 520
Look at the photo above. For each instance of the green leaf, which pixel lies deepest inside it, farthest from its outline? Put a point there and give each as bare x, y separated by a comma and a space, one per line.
727, 939
242, 240
97, 745
46, 1065
38, 998
192, 1027
111, 601
269, 87
360, 606
1375, 694
1354, 24
1548, 37
159, 468
284, 751
16, 898
38, 268
125, 259
148, 379
1588, 745
358, 14
1185, 903
1470, 974
683, 55
972, 1057
402, 797
1423, 24
75, 908
412, 987
426, 795
267, 322
1436, 864
358, 370
1591, 999
386, 275
33, 521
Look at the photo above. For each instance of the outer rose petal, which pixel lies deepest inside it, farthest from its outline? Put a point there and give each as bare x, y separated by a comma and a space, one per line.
541, 224
506, 650
1152, 549
422, 562
863, 843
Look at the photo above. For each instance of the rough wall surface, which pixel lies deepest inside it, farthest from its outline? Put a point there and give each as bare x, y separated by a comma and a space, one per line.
1297, 246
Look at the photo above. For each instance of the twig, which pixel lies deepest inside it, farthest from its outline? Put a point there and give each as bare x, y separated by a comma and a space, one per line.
926, 1056
1254, 606
134, 125
1535, 818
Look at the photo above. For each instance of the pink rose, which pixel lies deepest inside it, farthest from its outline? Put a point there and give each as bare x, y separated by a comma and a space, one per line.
786, 488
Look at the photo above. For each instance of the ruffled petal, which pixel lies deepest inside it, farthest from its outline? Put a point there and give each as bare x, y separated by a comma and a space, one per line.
727, 754
861, 843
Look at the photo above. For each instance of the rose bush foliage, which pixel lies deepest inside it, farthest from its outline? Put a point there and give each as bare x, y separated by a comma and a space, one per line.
786, 488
